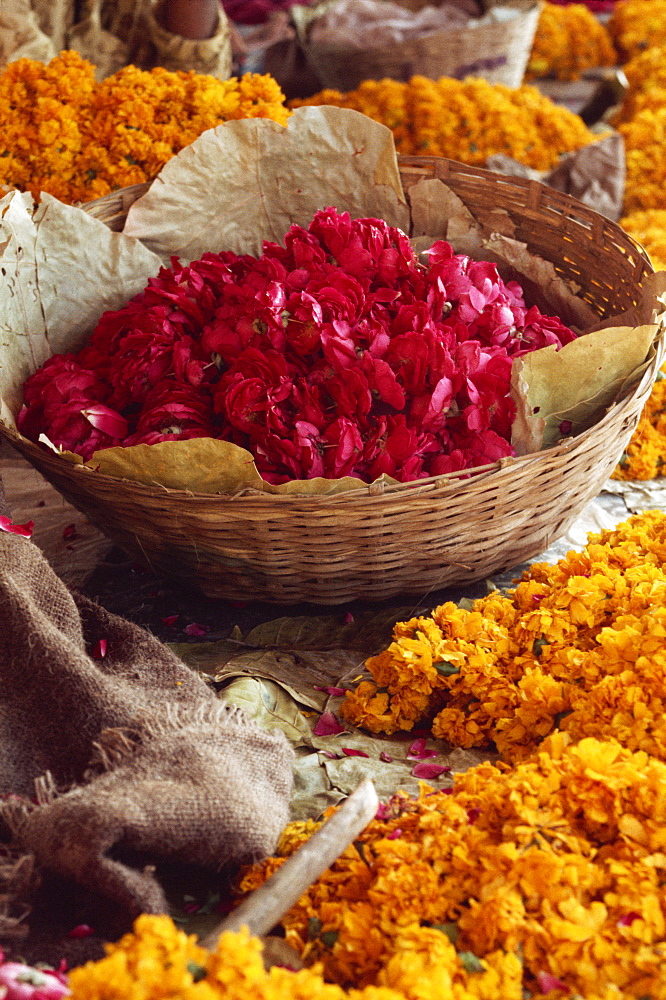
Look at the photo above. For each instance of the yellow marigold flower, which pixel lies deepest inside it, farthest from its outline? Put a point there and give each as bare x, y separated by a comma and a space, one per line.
577, 645
78, 139
645, 456
558, 860
635, 25
466, 120
569, 40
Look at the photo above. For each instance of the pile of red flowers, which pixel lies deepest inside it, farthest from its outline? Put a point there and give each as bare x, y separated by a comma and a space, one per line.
338, 354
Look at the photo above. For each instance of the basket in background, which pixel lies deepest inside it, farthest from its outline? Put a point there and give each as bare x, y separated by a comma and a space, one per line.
410, 538
497, 51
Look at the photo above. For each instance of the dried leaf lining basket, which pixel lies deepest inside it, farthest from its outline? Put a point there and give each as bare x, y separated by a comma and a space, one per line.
408, 538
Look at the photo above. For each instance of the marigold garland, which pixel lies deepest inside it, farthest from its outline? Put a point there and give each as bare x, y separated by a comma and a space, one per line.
569, 40
77, 139
466, 120
578, 646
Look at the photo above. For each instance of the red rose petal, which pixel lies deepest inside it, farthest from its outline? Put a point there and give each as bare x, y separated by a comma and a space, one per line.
6, 524
427, 771
548, 982
394, 834
350, 752
473, 814
348, 618
333, 691
328, 725
195, 629
106, 420
628, 919
170, 620
80, 931
385, 757
70, 532
99, 652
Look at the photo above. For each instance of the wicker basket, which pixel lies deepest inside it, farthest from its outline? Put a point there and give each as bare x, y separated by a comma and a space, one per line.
410, 538
498, 52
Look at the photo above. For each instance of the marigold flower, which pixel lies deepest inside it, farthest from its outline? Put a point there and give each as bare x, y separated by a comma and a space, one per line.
466, 120
64, 133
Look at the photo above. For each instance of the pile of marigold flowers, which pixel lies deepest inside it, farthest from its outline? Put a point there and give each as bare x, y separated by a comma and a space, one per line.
338, 354
466, 120
635, 25
641, 120
568, 41
578, 646
544, 878
645, 457
64, 133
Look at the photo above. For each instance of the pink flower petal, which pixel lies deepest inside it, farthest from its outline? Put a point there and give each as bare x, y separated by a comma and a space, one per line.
333, 691
170, 620
394, 834
195, 629
473, 814
328, 725
106, 420
348, 618
70, 532
628, 919
6, 524
349, 752
329, 754
385, 757
548, 982
427, 771
80, 931
99, 652
383, 811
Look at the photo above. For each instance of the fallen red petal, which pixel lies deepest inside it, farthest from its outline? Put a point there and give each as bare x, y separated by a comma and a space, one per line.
548, 982
333, 691
195, 629
80, 931
394, 834
350, 752
348, 618
385, 757
427, 771
170, 620
328, 725
70, 532
99, 652
6, 524
628, 919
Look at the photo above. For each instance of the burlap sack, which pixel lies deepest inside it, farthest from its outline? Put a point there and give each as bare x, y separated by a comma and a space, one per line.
138, 751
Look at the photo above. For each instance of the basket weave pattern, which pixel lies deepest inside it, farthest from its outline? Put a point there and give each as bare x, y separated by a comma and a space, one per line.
410, 538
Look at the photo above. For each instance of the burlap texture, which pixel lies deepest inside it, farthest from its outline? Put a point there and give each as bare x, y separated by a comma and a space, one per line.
140, 756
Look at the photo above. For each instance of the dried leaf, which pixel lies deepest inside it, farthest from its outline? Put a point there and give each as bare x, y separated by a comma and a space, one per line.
270, 706
541, 283
367, 633
580, 381
62, 270
248, 181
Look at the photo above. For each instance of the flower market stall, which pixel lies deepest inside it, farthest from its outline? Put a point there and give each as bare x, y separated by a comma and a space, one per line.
268, 355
